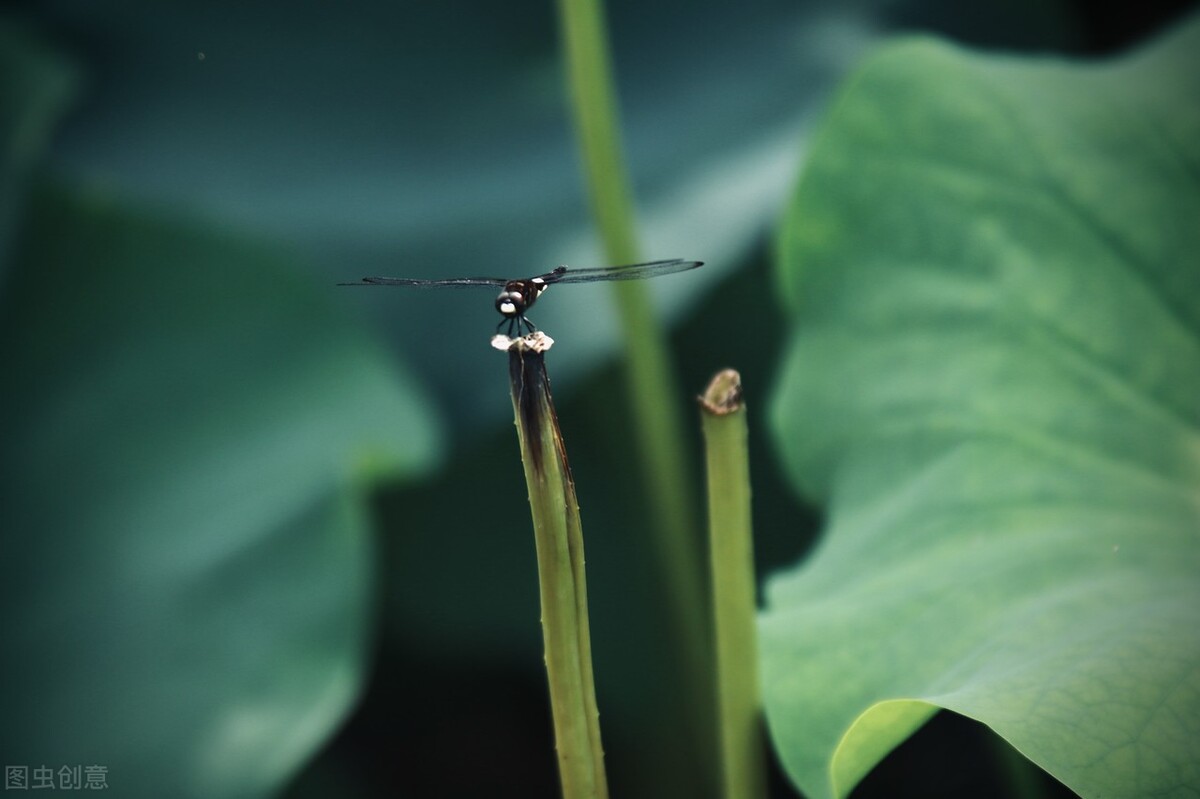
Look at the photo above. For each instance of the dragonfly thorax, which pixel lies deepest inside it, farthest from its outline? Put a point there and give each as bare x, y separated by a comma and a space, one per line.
518, 296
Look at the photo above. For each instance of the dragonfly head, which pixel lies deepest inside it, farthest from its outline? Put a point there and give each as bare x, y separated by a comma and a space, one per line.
511, 303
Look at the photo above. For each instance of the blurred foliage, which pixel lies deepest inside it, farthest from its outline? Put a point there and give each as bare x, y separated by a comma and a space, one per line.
434, 139
189, 593
188, 429
35, 86
992, 386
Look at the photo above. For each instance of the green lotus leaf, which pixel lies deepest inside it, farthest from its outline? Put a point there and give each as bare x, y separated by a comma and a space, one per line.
993, 388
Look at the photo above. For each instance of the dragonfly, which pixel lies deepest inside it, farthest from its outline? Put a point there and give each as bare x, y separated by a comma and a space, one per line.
518, 296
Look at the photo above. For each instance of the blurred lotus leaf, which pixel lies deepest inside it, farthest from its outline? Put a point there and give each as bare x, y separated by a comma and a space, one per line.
189, 431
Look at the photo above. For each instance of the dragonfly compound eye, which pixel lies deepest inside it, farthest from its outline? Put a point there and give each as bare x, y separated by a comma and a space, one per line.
510, 303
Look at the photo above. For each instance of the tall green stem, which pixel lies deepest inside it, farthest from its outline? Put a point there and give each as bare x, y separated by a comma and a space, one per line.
731, 549
653, 394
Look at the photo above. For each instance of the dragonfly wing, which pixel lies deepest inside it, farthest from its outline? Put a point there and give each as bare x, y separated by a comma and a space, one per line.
456, 282
628, 272
561, 274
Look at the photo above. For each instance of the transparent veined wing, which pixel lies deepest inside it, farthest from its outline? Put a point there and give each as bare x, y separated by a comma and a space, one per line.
628, 272
453, 282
